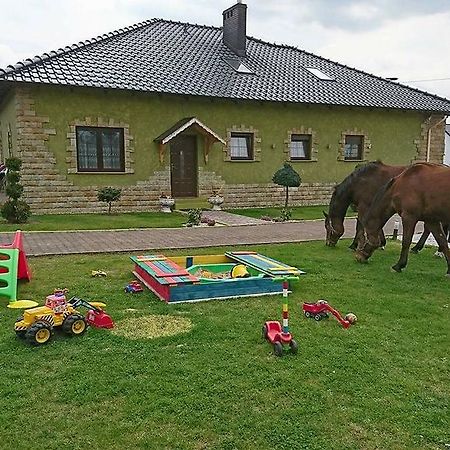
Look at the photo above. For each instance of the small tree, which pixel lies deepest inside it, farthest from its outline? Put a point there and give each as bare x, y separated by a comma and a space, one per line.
14, 210
109, 195
287, 177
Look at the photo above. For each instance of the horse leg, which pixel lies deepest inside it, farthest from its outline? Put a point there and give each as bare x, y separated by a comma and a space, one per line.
358, 234
419, 246
441, 239
382, 240
409, 225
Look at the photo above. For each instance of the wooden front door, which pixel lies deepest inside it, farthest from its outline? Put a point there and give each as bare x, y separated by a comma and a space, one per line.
183, 166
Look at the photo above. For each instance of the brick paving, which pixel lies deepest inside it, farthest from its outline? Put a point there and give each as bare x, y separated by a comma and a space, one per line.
72, 242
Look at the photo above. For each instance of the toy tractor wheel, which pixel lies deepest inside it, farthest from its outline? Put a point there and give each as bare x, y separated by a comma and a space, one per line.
317, 317
278, 349
75, 325
20, 333
294, 346
307, 314
39, 333
265, 331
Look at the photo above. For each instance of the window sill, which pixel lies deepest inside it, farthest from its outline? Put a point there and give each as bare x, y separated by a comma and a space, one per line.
100, 173
303, 160
242, 160
353, 160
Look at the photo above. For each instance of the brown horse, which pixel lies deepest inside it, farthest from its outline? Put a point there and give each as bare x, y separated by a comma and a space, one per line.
358, 189
421, 192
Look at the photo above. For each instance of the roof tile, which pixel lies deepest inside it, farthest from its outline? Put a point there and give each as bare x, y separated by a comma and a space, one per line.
180, 58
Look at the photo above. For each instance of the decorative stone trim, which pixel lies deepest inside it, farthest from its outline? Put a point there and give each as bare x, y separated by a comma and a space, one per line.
436, 124
314, 144
256, 142
71, 158
367, 145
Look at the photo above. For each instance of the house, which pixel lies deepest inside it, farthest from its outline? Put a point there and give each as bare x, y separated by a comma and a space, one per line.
178, 108
447, 145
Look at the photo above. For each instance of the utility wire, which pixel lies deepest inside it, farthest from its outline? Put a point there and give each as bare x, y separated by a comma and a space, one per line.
422, 81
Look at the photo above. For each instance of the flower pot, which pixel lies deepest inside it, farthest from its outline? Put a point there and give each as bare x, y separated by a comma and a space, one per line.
166, 204
215, 201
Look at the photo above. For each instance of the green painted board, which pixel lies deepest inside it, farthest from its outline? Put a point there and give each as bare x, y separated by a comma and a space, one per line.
265, 264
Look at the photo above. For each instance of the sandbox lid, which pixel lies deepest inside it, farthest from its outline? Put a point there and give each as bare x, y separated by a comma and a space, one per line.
267, 265
164, 269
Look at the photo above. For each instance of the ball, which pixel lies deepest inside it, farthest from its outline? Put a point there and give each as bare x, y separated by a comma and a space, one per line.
350, 317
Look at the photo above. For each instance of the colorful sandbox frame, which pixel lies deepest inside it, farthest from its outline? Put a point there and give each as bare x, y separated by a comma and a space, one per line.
175, 280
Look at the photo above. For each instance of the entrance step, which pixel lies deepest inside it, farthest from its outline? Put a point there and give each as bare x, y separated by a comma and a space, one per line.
191, 203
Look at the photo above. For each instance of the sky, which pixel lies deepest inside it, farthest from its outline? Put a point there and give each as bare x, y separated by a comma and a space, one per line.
406, 39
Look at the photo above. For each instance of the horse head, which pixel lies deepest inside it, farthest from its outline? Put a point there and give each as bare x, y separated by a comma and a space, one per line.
371, 243
334, 230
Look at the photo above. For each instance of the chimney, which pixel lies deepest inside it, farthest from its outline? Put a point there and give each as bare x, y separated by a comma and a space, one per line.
234, 28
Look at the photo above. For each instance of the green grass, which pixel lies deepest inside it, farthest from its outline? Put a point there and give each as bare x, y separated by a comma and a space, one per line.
97, 221
298, 212
381, 384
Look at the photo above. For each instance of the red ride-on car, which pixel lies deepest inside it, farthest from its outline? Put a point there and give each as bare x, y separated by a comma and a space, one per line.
272, 331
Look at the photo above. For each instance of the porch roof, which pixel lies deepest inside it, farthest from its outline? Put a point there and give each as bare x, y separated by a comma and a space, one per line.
184, 124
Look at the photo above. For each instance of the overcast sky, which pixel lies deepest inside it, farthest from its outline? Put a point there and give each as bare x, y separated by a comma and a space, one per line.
407, 39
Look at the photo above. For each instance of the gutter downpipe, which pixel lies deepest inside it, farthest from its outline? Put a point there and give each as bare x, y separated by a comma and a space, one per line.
429, 136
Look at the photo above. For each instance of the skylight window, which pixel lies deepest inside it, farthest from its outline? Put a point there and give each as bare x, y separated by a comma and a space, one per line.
239, 66
319, 74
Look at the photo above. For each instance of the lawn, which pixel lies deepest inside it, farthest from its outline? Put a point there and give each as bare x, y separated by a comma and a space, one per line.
60, 222
381, 384
298, 212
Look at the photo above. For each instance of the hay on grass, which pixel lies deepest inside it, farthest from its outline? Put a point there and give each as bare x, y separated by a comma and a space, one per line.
151, 327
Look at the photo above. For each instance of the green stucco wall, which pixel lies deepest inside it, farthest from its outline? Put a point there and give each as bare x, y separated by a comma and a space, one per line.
391, 133
7, 122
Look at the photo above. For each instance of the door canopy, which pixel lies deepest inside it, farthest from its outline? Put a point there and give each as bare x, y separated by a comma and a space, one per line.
183, 125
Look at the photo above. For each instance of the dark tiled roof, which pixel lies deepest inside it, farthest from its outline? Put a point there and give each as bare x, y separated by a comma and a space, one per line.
178, 58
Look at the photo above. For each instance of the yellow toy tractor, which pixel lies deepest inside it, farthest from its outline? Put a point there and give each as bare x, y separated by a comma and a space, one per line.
36, 325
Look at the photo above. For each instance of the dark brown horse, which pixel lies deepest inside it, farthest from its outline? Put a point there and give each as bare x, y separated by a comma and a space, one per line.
358, 189
421, 192
426, 232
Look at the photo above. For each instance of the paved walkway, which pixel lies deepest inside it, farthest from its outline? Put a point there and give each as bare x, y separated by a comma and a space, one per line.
71, 242
231, 219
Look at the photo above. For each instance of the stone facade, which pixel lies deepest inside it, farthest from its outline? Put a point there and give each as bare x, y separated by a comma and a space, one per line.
48, 191
431, 144
261, 195
50, 186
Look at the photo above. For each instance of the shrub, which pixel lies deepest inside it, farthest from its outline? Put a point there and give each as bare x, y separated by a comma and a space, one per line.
14, 210
109, 195
287, 177
285, 214
194, 217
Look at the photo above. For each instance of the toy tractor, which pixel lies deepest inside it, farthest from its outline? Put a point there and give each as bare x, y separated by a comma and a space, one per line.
37, 324
320, 310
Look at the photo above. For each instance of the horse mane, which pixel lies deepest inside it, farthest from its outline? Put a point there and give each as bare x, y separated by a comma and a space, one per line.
378, 196
340, 199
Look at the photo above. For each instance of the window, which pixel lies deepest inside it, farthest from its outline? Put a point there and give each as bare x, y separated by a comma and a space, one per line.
300, 147
353, 147
241, 146
319, 74
100, 149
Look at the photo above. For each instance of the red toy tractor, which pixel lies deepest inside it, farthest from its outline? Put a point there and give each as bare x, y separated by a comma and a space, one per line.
320, 310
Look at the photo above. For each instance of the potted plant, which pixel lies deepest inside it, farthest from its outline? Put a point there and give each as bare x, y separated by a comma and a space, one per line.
216, 200
166, 202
